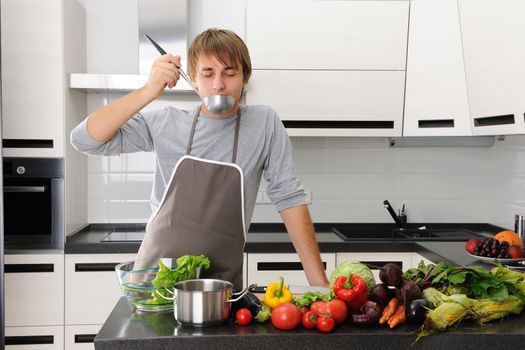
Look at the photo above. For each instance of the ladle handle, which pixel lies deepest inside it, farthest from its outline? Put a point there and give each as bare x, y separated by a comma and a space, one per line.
163, 52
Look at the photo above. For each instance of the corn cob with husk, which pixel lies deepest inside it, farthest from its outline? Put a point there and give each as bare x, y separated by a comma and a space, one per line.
453, 309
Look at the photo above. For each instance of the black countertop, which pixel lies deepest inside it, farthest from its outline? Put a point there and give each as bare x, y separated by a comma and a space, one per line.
129, 329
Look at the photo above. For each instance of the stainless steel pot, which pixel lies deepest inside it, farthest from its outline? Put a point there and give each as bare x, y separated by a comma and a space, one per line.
204, 302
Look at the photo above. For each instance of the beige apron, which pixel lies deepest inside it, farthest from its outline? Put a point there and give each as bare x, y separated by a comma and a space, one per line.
201, 212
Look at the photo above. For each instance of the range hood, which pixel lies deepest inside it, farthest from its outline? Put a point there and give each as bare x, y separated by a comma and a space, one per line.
164, 20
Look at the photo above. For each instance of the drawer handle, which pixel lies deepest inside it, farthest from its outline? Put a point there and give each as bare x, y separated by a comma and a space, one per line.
85, 338
20, 189
27, 143
494, 120
29, 340
436, 123
376, 265
339, 124
29, 268
281, 266
95, 267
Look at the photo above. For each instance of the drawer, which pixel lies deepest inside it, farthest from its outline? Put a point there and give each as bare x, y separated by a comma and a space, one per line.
266, 268
92, 288
34, 338
34, 290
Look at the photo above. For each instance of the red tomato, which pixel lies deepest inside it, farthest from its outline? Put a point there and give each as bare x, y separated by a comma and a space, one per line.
303, 309
286, 316
337, 309
243, 316
325, 324
308, 320
318, 307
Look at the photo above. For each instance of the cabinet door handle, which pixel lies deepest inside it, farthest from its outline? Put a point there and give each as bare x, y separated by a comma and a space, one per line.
19, 189
494, 120
29, 340
95, 267
339, 124
85, 338
28, 268
281, 266
435, 123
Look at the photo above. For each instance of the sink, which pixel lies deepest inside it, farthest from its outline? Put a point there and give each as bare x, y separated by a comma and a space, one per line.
430, 232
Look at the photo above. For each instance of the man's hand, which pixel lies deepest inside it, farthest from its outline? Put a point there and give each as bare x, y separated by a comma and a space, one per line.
163, 73
301, 230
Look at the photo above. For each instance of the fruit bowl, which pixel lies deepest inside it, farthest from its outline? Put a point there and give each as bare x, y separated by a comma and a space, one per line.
135, 279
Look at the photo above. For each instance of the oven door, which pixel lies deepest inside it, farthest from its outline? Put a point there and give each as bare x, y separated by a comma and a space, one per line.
33, 210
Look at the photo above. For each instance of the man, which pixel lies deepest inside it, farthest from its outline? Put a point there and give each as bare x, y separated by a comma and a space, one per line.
208, 166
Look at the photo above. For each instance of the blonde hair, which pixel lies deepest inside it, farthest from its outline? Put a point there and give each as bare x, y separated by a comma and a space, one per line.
225, 46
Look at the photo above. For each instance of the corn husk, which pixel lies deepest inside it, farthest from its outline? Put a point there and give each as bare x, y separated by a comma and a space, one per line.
445, 315
485, 310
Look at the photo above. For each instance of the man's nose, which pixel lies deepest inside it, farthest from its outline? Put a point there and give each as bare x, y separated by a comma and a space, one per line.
218, 83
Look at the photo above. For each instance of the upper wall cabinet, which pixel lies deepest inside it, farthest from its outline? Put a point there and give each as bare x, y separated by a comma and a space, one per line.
330, 68
32, 78
436, 101
492, 32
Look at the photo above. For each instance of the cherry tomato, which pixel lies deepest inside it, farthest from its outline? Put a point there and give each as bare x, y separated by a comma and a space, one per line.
309, 320
286, 316
318, 307
325, 324
243, 316
303, 309
337, 309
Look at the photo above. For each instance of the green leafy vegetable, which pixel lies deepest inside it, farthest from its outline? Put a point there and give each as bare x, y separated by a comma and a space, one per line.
187, 266
309, 297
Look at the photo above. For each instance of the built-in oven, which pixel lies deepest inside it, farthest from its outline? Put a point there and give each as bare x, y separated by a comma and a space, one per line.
33, 203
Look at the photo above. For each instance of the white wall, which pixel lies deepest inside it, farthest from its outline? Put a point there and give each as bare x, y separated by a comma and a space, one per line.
349, 177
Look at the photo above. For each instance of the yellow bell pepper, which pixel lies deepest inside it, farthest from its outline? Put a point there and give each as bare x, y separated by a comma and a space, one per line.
276, 294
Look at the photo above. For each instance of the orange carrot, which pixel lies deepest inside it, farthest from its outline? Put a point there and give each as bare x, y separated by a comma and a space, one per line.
389, 310
398, 318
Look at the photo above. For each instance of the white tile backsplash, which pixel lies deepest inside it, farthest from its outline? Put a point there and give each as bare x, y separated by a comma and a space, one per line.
349, 178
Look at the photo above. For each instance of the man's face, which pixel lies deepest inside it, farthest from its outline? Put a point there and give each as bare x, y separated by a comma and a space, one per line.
214, 78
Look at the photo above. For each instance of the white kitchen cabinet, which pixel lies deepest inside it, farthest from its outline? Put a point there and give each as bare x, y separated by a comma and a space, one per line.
345, 77
32, 77
92, 288
517, 10
80, 337
34, 290
265, 268
34, 338
436, 101
404, 260
332, 103
491, 65
299, 34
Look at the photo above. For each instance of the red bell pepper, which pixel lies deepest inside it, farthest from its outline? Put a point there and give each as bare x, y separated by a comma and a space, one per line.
352, 290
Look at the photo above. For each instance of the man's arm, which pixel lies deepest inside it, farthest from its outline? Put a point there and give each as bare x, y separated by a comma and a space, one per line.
301, 230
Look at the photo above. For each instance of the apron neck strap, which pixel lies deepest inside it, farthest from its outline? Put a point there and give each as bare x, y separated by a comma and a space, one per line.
235, 139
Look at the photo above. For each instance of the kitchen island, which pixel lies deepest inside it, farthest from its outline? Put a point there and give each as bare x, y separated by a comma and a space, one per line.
128, 329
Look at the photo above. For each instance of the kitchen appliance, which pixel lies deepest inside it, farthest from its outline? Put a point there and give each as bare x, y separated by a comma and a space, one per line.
217, 104
204, 302
2, 312
33, 203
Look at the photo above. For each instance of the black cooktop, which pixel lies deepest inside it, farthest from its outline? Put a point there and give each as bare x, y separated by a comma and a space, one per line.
423, 232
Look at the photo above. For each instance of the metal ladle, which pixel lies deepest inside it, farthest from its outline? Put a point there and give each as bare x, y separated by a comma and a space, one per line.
216, 104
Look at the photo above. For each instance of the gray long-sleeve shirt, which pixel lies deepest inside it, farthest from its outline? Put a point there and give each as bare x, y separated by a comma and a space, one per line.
264, 149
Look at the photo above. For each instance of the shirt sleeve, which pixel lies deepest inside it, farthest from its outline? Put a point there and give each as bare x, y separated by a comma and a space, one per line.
284, 188
133, 136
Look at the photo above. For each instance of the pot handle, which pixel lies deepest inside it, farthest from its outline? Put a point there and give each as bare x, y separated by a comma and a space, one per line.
162, 296
239, 295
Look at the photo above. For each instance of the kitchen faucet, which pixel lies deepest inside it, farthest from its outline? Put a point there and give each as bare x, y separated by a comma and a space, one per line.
401, 220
